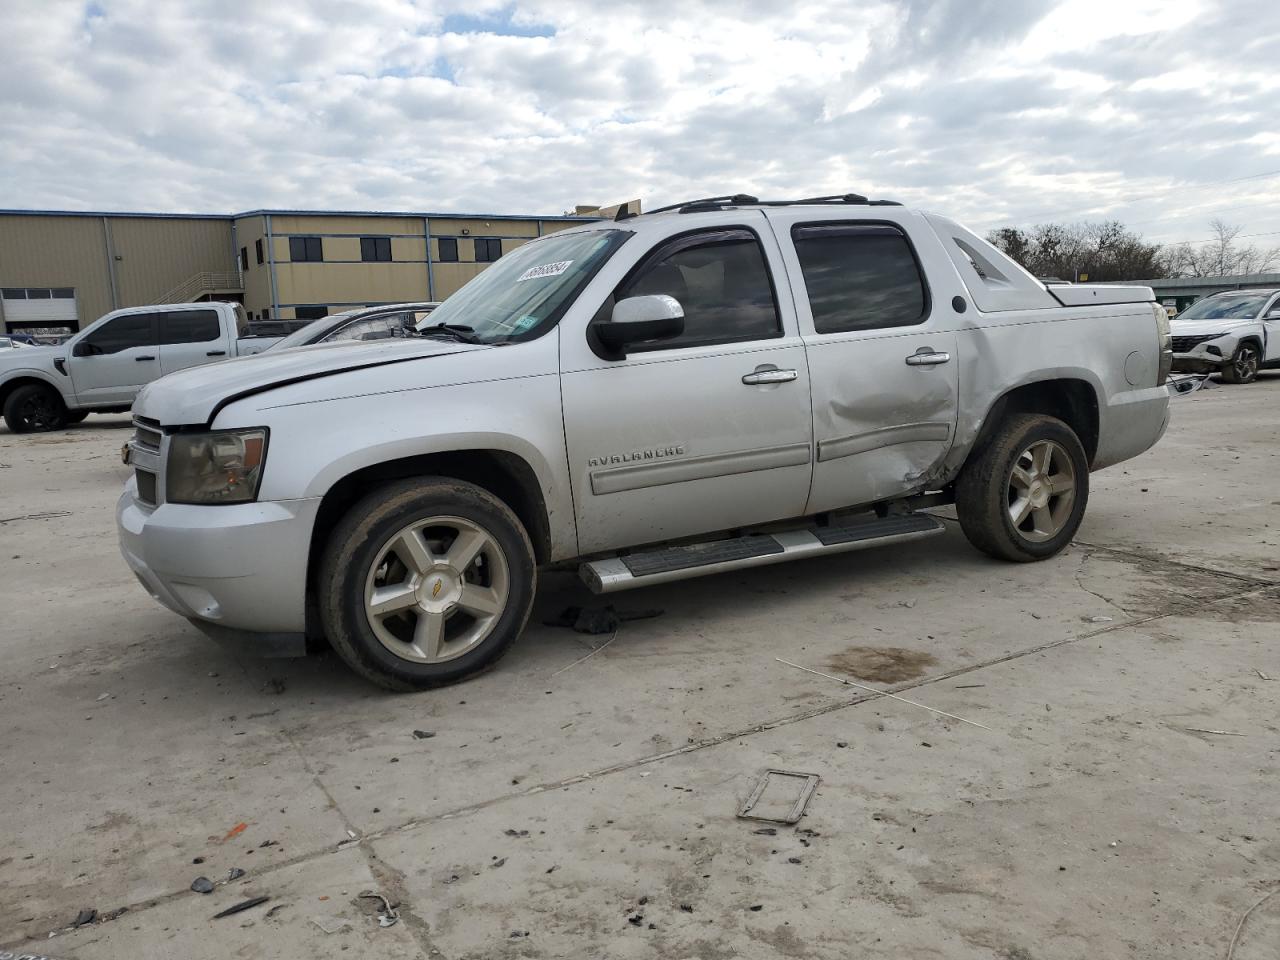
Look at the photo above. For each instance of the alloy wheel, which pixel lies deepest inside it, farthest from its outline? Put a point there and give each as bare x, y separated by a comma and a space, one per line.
1042, 491
436, 589
1246, 363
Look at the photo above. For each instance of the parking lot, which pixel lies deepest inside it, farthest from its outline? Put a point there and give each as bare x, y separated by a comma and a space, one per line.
1118, 798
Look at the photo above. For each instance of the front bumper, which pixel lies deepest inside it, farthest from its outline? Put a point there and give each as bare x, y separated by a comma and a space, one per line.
1198, 363
229, 568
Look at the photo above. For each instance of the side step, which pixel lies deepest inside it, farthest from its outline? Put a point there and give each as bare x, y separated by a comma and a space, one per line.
753, 550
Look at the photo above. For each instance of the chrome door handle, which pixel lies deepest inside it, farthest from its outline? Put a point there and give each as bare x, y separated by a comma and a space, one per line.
140, 359
769, 375
927, 358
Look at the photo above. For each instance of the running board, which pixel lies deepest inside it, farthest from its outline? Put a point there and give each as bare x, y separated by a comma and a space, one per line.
753, 550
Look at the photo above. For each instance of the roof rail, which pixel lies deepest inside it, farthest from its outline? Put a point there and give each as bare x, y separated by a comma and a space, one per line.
743, 199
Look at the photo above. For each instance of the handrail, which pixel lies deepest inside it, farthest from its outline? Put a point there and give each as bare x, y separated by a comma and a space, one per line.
207, 281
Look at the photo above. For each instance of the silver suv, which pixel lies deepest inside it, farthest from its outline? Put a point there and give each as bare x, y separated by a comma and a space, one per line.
722, 384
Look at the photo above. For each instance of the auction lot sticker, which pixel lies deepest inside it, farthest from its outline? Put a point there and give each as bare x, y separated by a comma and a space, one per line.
546, 270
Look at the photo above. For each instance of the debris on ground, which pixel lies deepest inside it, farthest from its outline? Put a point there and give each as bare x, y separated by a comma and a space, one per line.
423, 734
387, 916
110, 915
327, 925
85, 917
511, 832
202, 885
278, 907
1217, 733
780, 796
1262, 675
597, 620
235, 874
241, 907
1098, 619
235, 831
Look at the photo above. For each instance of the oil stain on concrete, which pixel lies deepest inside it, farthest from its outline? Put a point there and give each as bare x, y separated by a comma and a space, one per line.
882, 664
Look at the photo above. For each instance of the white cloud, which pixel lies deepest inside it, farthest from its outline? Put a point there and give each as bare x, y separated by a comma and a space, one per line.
991, 111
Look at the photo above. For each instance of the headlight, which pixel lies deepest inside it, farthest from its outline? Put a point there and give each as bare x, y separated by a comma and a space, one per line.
220, 467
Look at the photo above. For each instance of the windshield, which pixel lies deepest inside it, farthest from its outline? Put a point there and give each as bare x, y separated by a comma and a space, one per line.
309, 333
1226, 306
528, 289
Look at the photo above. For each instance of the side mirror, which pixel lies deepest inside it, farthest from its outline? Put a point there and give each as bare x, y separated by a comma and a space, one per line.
637, 319
82, 349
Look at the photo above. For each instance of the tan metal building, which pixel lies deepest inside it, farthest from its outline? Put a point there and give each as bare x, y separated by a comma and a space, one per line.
62, 270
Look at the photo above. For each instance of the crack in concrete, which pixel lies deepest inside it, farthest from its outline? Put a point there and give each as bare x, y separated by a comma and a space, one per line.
1176, 608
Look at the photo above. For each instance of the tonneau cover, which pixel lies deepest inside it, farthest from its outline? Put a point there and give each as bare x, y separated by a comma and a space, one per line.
1091, 294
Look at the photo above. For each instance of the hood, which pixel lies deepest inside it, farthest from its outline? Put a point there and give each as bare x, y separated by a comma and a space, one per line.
26, 356
193, 397
1193, 326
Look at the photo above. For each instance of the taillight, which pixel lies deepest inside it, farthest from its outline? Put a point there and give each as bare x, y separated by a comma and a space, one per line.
1165, 335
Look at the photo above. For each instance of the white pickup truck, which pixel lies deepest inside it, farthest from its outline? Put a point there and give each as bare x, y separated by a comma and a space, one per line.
102, 368
723, 384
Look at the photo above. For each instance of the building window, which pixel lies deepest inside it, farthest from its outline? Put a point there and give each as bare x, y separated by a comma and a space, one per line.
306, 249
448, 249
375, 249
35, 293
257, 248
14, 293
244, 258
310, 313
266, 313
488, 249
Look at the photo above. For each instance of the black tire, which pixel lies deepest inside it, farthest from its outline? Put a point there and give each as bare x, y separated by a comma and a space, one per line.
76, 416
985, 495
1244, 364
368, 530
35, 408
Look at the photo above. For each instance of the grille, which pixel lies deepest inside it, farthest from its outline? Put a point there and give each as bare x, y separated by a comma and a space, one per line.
1187, 344
147, 434
146, 486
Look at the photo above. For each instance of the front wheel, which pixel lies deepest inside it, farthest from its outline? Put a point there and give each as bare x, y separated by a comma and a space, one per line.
1022, 498
35, 408
1244, 364
425, 582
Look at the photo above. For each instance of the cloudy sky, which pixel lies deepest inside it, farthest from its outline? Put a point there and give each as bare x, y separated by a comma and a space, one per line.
1162, 114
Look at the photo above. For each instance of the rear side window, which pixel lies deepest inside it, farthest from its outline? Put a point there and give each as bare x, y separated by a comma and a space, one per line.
122, 333
189, 326
860, 276
720, 279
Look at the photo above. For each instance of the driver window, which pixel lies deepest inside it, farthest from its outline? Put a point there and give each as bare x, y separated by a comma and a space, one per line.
721, 281
122, 333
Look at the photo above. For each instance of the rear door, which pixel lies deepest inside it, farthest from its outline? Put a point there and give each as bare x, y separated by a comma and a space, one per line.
112, 362
882, 348
704, 432
189, 338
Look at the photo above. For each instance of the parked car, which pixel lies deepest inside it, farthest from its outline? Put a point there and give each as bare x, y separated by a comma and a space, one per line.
1235, 333
720, 385
102, 368
382, 322
10, 343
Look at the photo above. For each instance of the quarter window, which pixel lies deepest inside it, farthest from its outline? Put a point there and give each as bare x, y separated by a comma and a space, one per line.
189, 326
122, 333
721, 282
859, 276
375, 249
448, 249
488, 249
306, 249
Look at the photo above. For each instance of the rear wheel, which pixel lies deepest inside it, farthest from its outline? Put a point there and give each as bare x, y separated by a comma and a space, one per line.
426, 582
35, 408
1244, 364
1023, 497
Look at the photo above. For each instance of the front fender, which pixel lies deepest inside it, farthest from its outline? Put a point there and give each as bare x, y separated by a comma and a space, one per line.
8, 377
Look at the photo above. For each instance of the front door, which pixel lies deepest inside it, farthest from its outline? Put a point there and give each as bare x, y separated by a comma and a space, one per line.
189, 338
112, 362
704, 432
882, 356
1271, 326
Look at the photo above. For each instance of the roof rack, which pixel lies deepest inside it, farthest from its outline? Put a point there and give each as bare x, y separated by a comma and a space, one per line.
744, 199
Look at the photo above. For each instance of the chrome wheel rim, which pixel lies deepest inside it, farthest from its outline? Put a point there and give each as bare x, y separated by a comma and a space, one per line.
1246, 363
1042, 491
436, 589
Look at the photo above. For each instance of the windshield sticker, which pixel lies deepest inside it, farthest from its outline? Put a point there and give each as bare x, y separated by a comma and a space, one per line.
524, 323
546, 270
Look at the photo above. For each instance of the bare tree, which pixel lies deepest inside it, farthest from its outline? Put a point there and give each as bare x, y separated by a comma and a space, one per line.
1101, 251
1220, 256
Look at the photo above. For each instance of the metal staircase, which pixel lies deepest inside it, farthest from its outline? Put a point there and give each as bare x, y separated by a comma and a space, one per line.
207, 283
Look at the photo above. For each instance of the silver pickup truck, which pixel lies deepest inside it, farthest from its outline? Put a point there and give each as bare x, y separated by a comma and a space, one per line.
723, 384
102, 368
